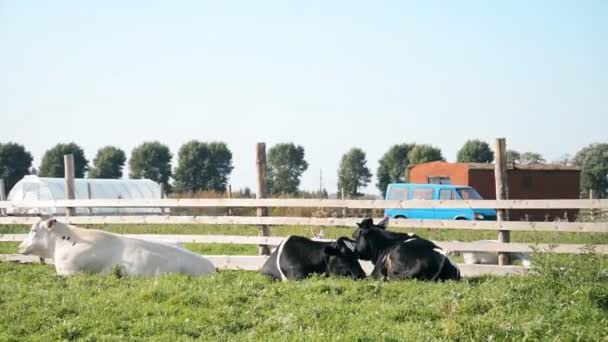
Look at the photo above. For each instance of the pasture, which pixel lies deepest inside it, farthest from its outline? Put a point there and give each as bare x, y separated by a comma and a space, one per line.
566, 298
563, 297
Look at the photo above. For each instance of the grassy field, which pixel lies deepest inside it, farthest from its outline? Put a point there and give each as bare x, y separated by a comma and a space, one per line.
566, 300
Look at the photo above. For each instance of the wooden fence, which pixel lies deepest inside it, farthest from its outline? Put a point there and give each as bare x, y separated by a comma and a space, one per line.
254, 262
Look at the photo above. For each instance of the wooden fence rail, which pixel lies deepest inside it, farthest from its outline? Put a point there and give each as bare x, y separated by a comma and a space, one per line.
255, 262
477, 246
587, 227
312, 203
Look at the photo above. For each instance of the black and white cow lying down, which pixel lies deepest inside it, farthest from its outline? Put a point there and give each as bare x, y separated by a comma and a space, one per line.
298, 257
402, 256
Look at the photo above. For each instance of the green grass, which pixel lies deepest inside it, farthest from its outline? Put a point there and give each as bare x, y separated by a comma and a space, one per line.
566, 300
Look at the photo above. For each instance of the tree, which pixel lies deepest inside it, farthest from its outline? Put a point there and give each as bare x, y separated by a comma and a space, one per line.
393, 166
424, 154
475, 151
285, 167
531, 158
203, 166
219, 166
15, 162
353, 172
52, 164
190, 174
593, 161
151, 160
108, 163
513, 156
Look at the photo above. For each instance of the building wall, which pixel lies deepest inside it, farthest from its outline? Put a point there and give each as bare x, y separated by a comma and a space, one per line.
457, 172
531, 184
543, 184
483, 182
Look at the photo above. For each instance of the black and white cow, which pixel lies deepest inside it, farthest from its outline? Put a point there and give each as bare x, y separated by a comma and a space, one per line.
298, 257
402, 256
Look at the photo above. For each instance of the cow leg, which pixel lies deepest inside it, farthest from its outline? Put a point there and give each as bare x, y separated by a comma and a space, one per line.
379, 272
295, 273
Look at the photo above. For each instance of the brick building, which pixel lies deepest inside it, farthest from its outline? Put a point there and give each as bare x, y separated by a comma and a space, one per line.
536, 181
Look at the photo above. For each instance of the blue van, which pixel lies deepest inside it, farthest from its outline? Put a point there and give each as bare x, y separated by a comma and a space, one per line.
411, 191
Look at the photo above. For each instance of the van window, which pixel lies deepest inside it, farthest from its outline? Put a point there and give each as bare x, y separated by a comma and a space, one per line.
446, 194
422, 194
398, 194
468, 194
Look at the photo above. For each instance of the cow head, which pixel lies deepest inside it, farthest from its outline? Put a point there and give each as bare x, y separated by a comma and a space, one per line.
364, 236
39, 241
342, 259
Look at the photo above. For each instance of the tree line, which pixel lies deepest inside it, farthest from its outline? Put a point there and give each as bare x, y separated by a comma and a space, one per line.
206, 166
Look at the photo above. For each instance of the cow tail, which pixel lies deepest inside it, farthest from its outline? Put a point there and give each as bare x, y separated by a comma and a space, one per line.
279, 252
440, 268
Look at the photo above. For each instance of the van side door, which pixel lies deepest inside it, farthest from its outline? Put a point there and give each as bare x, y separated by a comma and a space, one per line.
447, 194
422, 193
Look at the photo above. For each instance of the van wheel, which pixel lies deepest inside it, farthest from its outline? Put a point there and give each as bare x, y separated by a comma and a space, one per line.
400, 217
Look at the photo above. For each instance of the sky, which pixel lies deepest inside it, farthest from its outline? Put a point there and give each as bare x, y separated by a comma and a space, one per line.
326, 75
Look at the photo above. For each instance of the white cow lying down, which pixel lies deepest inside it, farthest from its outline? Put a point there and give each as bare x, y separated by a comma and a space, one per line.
88, 250
490, 258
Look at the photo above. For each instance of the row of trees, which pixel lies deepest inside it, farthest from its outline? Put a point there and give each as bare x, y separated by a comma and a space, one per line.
207, 165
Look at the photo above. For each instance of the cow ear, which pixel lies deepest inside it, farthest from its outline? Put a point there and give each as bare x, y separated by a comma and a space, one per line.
347, 243
50, 223
383, 224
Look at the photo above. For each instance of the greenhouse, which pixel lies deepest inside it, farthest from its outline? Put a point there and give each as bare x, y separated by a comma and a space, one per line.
34, 188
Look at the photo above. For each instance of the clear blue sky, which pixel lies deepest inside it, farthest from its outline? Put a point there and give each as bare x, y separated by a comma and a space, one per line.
328, 75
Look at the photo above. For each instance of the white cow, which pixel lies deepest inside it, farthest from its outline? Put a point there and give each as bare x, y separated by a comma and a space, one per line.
491, 258
88, 250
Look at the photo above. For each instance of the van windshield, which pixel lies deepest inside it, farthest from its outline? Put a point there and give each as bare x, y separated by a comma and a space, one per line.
468, 194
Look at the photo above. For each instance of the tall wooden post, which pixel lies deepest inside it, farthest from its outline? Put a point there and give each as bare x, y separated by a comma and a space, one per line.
260, 163
162, 196
500, 175
343, 209
229, 197
89, 196
2, 196
68, 163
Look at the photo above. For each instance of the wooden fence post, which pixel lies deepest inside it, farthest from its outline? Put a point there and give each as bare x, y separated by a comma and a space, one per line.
343, 209
260, 163
2, 196
89, 196
68, 163
500, 176
229, 197
162, 196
